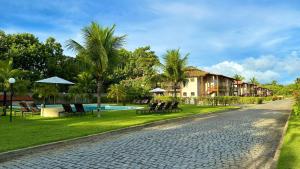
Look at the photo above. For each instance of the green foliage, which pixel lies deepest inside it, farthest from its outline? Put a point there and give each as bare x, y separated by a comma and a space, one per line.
174, 66
289, 155
260, 100
84, 88
166, 98
253, 80
135, 88
39, 59
98, 51
7, 71
45, 90
225, 100
238, 77
142, 62
117, 91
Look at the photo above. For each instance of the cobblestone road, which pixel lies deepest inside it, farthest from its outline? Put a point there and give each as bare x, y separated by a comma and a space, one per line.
246, 138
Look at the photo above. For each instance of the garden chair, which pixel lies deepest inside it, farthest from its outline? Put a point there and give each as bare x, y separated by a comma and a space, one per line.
160, 107
151, 108
24, 108
167, 107
175, 106
67, 109
34, 108
79, 108
146, 101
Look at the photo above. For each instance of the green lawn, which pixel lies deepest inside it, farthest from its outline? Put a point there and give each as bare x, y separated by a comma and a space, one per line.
289, 156
24, 132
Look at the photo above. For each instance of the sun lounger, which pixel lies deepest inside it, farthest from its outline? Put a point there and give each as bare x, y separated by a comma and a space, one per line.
151, 108
79, 108
67, 109
34, 108
160, 107
24, 108
175, 107
167, 107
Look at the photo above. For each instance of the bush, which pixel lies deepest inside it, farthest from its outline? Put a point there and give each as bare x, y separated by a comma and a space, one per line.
167, 98
296, 109
259, 100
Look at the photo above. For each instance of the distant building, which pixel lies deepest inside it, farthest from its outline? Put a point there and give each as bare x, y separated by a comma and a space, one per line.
202, 83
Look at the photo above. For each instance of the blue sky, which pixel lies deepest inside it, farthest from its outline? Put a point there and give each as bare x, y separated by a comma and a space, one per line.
253, 38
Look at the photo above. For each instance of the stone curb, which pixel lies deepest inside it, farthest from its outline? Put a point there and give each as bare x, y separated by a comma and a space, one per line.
13, 154
274, 162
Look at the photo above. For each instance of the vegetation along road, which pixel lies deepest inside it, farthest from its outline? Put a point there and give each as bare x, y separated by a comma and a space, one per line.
245, 138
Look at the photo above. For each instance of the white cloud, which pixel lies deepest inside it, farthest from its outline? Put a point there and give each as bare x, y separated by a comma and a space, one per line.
265, 68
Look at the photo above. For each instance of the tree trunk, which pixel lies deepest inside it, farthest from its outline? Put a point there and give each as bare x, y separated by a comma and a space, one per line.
117, 99
175, 93
99, 85
4, 102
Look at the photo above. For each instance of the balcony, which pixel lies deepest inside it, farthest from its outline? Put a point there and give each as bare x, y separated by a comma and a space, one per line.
212, 89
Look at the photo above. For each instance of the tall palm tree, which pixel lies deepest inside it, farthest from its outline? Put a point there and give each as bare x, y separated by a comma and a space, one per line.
6, 72
253, 80
98, 51
238, 77
174, 66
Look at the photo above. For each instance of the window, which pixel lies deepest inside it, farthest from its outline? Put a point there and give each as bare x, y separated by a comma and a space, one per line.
192, 79
192, 93
184, 94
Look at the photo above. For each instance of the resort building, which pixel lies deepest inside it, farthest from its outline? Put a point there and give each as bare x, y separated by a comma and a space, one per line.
202, 83
244, 89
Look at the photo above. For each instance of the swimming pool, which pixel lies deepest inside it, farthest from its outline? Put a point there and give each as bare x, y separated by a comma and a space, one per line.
91, 107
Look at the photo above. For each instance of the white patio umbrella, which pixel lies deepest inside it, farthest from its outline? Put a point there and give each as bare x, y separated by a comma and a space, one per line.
55, 80
157, 90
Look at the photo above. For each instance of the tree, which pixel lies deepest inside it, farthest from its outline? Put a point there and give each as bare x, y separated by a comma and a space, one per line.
174, 66
6, 72
238, 77
274, 82
98, 51
130, 65
39, 59
253, 80
117, 91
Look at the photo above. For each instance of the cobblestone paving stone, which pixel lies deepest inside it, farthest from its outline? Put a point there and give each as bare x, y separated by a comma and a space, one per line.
245, 138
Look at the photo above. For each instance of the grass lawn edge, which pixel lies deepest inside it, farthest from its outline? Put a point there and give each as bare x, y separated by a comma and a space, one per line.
281, 142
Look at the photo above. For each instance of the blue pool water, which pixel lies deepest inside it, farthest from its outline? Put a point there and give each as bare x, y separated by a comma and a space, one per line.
91, 107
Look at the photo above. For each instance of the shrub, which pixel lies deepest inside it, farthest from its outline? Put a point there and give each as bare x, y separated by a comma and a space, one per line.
296, 109
167, 98
259, 100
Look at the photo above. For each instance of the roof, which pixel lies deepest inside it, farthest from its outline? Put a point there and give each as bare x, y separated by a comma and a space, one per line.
192, 71
195, 72
17, 98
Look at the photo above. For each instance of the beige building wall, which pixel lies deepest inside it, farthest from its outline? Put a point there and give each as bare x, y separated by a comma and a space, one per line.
191, 89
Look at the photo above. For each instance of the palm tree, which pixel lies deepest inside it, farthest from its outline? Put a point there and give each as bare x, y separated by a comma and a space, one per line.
117, 91
238, 77
174, 66
253, 80
6, 72
98, 51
